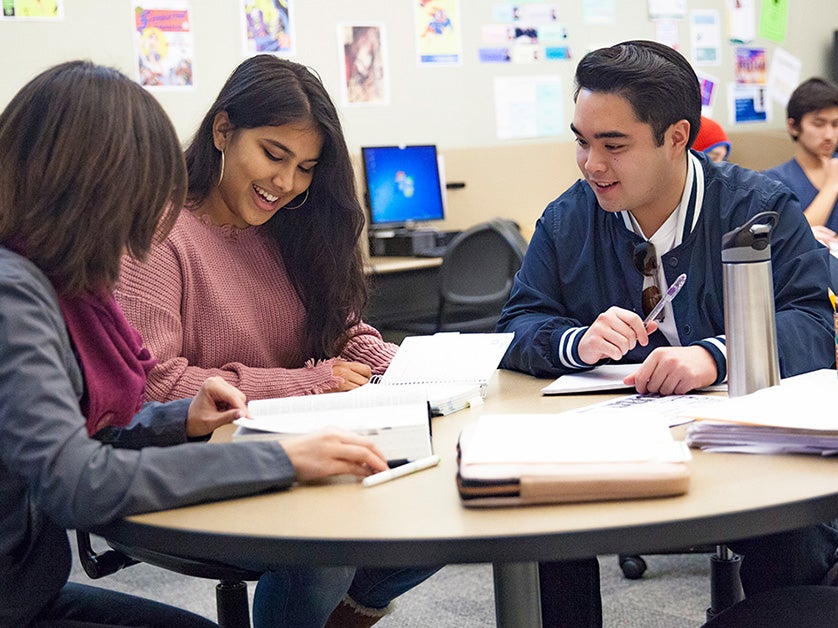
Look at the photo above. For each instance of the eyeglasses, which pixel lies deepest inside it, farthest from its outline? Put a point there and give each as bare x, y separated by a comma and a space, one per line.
646, 263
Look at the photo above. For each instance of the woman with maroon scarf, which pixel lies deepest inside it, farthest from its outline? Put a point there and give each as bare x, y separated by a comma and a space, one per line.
90, 167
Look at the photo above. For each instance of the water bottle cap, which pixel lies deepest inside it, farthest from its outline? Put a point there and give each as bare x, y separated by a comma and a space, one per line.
750, 242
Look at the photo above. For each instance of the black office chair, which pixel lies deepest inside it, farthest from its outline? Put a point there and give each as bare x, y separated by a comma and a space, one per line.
475, 279
231, 601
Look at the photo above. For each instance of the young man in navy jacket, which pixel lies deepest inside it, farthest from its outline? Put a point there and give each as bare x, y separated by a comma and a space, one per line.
648, 210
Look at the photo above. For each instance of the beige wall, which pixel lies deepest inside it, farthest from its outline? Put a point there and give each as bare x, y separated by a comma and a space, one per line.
518, 181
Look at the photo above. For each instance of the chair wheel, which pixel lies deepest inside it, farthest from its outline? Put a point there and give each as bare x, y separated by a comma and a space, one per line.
633, 567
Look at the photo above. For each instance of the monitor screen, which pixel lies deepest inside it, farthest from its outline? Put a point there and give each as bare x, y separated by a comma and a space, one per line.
403, 185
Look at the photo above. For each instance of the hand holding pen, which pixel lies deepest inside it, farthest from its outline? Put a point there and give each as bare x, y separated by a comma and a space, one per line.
617, 331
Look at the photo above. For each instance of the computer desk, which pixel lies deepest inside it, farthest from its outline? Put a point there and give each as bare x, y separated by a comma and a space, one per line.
419, 519
401, 288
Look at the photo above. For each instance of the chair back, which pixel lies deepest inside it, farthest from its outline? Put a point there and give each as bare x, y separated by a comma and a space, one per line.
476, 276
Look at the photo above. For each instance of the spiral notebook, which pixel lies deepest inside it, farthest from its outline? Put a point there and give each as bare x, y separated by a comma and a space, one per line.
455, 367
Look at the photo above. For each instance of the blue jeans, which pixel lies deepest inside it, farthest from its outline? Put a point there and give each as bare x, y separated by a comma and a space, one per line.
304, 597
83, 606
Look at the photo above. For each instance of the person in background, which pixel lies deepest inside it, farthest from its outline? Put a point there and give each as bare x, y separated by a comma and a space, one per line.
712, 140
647, 210
261, 282
79, 448
812, 174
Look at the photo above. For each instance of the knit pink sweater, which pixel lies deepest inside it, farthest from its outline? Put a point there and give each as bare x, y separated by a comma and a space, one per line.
217, 301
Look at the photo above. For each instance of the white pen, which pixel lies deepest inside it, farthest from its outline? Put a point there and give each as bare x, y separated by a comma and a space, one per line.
402, 470
670, 294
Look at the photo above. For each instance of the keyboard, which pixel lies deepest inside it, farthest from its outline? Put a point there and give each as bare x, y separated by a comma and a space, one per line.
432, 251
441, 241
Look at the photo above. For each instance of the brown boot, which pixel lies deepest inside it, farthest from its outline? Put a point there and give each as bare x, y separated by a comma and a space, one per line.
350, 614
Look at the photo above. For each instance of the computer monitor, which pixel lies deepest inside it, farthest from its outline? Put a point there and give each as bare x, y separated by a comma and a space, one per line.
403, 185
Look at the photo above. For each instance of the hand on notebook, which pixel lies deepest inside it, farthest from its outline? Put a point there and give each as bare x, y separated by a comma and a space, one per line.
351, 374
674, 371
333, 452
614, 333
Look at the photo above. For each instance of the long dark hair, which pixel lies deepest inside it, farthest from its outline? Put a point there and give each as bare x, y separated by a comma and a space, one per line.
658, 81
89, 165
319, 241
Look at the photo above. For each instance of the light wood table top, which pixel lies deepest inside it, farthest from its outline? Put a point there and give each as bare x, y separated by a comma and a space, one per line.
419, 519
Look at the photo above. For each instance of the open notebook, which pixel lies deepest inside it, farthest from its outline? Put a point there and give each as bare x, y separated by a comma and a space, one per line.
455, 368
395, 419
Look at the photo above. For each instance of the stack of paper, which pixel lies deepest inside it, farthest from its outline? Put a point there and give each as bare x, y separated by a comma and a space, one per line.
396, 419
572, 456
798, 416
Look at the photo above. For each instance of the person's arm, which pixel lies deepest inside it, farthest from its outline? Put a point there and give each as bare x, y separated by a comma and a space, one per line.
805, 336
366, 346
150, 294
820, 209
76, 480
546, 341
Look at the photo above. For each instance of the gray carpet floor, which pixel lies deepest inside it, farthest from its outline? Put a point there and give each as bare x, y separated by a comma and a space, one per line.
674, 593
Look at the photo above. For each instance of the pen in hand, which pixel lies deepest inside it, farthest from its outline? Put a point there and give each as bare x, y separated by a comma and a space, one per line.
670, 294
402, 470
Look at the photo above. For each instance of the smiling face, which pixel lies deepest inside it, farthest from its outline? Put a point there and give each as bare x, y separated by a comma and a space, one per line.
619, 159
817, 133
265, 168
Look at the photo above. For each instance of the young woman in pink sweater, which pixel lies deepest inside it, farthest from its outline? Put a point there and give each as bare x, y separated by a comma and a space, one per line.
261, 282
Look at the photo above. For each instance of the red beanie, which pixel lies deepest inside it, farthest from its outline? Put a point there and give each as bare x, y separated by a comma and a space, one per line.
710, 135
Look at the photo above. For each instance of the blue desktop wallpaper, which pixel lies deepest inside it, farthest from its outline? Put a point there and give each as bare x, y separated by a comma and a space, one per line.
403, 184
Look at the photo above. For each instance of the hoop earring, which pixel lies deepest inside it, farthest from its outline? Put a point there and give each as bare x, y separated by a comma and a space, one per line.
221, 175
299, 205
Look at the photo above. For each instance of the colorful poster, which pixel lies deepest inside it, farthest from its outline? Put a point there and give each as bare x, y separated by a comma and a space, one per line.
163, 44
751, 66
364, 61
438, 39
267, 26
33, 10
773, 20
527, 33
747, 103
708, 92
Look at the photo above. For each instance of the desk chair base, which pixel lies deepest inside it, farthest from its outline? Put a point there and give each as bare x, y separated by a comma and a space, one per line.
725, 587
232, 606
230, 593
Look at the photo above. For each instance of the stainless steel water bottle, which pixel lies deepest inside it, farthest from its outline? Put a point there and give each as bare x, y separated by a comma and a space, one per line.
750, 324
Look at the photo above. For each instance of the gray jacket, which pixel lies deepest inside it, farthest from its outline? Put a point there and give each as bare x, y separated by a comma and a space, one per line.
54, 477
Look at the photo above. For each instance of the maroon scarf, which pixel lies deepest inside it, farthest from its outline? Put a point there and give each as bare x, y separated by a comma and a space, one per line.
114, 362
